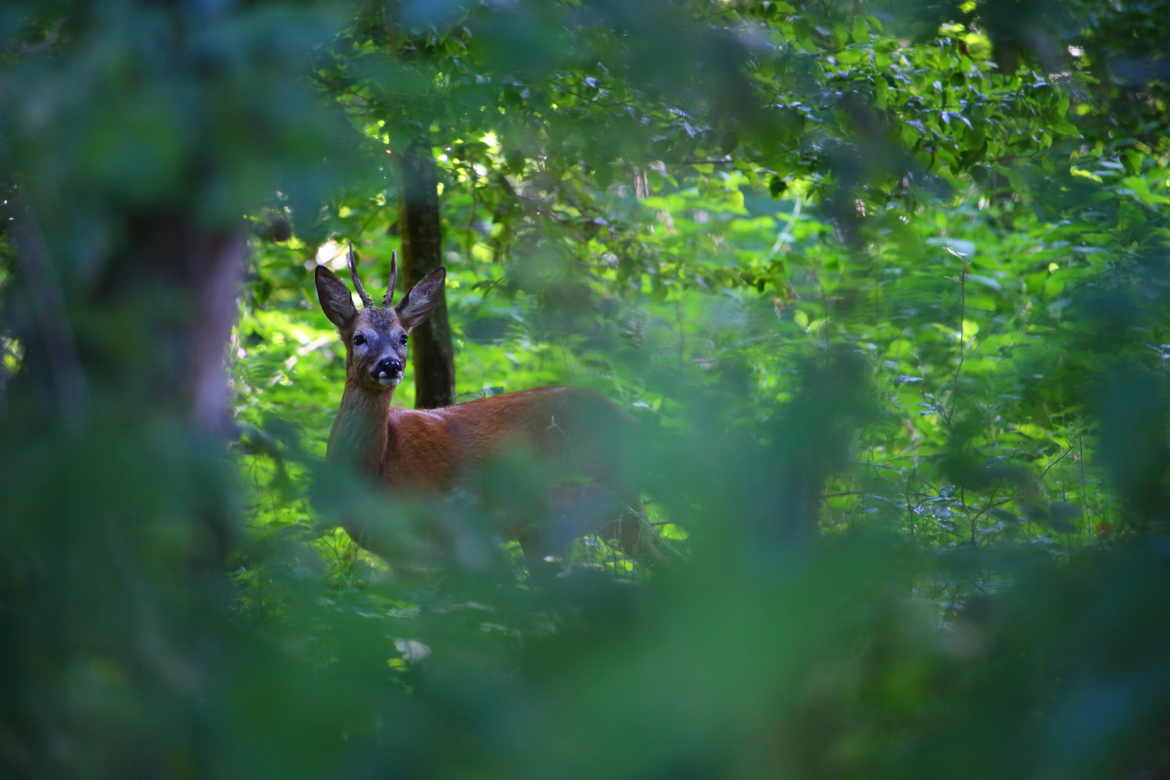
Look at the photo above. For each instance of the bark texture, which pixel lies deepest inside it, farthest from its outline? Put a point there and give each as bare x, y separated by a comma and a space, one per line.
432, 355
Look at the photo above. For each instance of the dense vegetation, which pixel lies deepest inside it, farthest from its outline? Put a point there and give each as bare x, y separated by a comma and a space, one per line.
886, 287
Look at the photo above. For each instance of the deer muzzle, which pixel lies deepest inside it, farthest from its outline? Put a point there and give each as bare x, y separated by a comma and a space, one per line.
388, 371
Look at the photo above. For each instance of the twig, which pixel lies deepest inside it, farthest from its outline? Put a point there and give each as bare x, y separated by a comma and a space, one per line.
1081, 459
1048, 468
991, 504
726, 160
838, 494
793, 218
910, 505
962, 352
291, 362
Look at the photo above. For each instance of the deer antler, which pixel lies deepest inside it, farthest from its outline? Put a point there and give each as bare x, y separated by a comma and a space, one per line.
393, 280
357, 283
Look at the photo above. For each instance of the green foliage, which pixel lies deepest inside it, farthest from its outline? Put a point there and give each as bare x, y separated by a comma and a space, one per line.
883, 285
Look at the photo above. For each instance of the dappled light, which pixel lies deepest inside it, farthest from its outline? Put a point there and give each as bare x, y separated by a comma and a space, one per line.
762, 389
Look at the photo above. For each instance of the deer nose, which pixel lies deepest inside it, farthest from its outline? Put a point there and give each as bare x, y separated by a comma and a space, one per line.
387, 367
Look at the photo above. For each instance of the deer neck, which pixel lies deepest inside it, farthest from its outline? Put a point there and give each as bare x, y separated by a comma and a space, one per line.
359, 430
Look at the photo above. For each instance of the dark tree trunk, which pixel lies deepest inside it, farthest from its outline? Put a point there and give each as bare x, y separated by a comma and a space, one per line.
433, 357
196, 272
124, 494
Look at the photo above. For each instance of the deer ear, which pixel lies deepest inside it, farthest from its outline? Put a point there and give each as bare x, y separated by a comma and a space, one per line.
335, 299
418, 304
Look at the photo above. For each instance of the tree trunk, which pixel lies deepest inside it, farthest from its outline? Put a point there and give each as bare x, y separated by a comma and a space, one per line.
123, 501
433, 357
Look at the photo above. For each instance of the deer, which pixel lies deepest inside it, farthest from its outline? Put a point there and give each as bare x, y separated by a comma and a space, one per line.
570, 433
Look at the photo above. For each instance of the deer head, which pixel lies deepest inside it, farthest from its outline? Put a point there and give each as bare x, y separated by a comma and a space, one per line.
375, 337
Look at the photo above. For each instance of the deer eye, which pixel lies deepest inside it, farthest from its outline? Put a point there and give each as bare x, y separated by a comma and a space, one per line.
403, 339
359, 339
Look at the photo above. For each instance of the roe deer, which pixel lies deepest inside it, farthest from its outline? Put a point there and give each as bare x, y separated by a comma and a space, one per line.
574, 433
